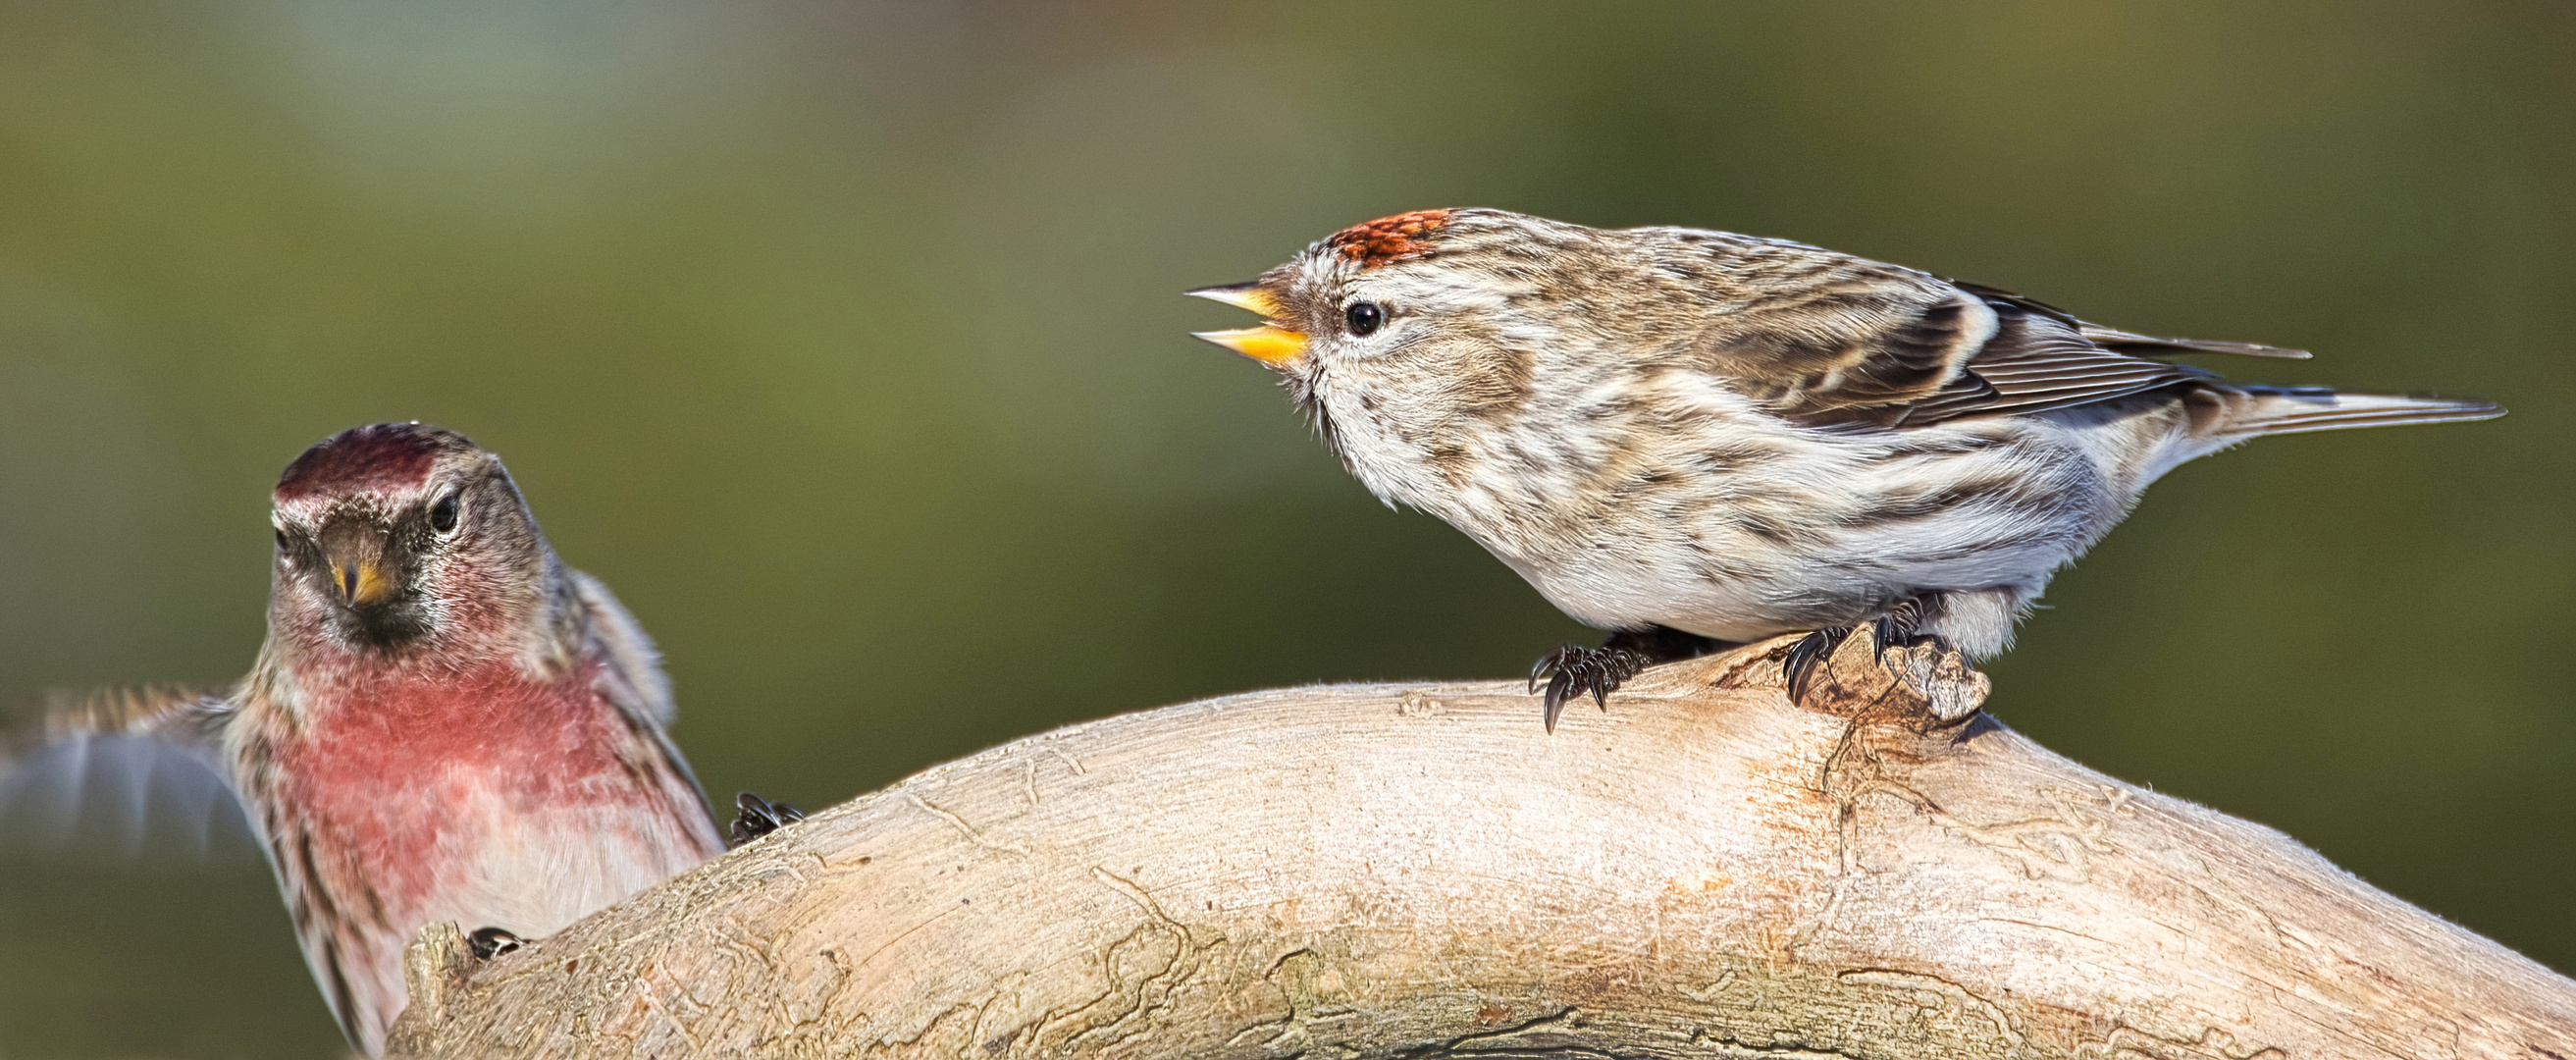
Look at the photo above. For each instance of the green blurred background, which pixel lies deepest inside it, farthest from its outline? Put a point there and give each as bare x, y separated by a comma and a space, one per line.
845, 341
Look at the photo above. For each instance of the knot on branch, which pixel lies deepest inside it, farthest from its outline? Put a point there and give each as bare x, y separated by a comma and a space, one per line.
435, 967
1921, 684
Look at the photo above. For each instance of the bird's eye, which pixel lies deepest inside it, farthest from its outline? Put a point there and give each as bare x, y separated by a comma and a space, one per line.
281, 539
442, 515
1365, 318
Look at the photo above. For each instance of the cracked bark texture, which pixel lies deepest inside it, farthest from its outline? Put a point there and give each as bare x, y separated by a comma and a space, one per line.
1419, 871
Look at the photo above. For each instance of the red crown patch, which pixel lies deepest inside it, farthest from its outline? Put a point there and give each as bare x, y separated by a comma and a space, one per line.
386, 456
1405, 235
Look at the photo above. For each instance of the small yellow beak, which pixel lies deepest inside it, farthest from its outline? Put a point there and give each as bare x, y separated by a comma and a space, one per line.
1241, 296
1270, 344
363, 582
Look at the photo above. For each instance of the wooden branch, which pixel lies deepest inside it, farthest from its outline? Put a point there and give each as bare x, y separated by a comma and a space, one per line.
1419, 871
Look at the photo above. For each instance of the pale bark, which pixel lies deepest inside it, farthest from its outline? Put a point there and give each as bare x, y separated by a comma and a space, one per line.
1420, 871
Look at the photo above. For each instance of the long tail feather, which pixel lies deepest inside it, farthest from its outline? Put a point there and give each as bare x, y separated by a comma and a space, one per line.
2239, 412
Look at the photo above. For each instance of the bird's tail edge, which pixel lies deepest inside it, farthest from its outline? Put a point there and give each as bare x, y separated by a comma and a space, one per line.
2241, 412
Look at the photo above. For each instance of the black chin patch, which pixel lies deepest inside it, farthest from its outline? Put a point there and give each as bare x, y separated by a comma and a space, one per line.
390, 625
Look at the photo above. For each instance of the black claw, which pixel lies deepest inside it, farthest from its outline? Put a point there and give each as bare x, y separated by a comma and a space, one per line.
1901, 625
1573, 672
1883, 635
1809, 653
1547, 664
490, 942
757, 817
1897, 626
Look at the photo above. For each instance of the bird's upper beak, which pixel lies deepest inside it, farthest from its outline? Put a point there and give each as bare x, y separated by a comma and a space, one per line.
361, 583
357, 565
1272, 345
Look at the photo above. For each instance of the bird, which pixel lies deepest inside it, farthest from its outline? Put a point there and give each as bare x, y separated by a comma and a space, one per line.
1695, 438
445, 722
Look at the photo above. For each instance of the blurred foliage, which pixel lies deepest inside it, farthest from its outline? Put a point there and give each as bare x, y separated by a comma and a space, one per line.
844, 340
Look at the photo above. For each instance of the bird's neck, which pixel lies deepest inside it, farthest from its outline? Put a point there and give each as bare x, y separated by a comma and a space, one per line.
451, 669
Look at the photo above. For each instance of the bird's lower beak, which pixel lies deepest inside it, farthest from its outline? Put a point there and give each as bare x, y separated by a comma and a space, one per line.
1268, 343
361, 583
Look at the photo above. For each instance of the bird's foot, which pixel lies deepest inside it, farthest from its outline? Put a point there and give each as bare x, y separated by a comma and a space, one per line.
756, 817
1891, 674
1807, 655
1572, 672
490, 942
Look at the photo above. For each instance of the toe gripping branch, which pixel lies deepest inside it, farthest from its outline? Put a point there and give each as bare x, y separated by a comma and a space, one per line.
1903, 675
1572, 672
490, 942
1809, 654
756, 817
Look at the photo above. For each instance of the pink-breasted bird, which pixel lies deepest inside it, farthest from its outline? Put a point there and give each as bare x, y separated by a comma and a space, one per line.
445, 723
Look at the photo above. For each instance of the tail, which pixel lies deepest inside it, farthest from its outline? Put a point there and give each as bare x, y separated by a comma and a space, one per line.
2229, 414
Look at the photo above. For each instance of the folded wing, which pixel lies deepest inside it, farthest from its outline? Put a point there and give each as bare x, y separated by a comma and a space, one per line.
1858, 345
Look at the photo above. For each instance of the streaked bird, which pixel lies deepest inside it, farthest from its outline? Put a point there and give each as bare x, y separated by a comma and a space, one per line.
1691, 437
445, 723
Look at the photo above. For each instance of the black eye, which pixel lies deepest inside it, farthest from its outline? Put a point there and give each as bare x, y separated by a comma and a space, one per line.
1364, 317
281, 539
442, 515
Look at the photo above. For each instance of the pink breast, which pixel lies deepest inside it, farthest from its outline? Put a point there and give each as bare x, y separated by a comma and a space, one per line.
399, 773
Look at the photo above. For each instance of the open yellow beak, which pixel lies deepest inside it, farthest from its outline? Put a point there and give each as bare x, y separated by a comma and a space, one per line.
1270, 344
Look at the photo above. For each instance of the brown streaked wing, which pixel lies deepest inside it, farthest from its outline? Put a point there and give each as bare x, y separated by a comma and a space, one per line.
1811, 364
2037, 362
1846, 343
2127, 341
191, 716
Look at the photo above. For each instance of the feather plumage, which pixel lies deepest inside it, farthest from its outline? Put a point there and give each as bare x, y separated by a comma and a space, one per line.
131, 772
1737, 437
445, 723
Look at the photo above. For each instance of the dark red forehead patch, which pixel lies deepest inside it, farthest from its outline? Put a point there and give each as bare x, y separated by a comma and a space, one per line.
1405, 235
386, 457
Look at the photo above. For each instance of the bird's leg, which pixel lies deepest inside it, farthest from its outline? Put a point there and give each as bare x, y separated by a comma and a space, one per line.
1901, 626
1571, 671
490, 942
757, 817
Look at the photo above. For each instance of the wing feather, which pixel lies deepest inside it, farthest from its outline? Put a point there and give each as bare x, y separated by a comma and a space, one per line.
628, 649
2036, 363
2127, 341
634, 682
1858, 345
110, 769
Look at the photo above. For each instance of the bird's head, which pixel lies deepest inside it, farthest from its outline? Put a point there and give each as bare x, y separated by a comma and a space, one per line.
398, 537
1408, 338
1364, 290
